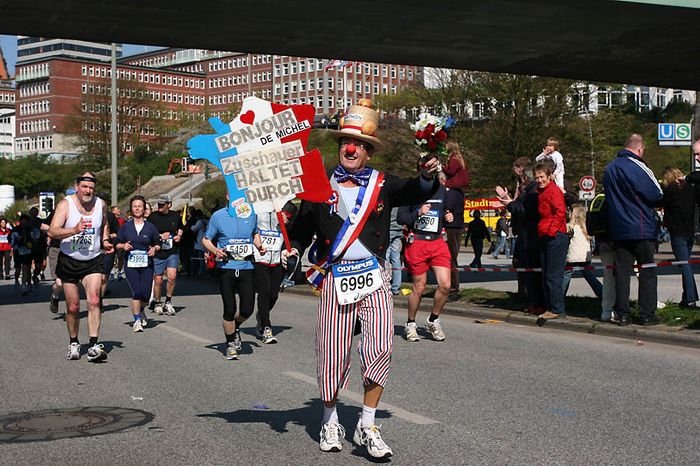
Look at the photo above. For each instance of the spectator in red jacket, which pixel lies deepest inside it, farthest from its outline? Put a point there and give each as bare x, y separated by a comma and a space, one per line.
553, 240
455, 169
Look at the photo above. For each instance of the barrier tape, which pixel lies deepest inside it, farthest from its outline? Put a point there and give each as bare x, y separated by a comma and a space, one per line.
539, 269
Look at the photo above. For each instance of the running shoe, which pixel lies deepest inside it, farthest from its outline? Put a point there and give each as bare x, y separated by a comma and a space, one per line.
410, 332
96, 353
371, 438
137, 327
53, 305
231, 352
151, 305
144, 321
268, 337
158, 309
331, 433
169, 309
237, 340
435, 329
73, 351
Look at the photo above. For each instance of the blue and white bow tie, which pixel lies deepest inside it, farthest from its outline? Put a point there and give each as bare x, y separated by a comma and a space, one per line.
360, 178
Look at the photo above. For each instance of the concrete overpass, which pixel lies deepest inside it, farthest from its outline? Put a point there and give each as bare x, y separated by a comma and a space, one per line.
641, 42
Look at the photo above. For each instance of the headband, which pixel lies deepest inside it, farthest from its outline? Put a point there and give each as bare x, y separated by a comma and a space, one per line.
91, 179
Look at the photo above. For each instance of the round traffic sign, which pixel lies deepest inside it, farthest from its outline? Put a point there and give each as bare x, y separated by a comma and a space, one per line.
587, 183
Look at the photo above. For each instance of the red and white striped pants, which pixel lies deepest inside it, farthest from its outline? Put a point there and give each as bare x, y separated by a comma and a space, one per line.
334, 332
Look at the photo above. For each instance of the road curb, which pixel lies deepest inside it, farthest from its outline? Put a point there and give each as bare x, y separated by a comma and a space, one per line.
669, 336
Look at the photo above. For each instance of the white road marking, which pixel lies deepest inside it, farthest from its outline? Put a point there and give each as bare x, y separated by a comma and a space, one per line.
358, 398
185, 334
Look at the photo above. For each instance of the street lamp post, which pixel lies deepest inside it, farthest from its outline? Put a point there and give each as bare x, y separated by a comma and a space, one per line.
115, 199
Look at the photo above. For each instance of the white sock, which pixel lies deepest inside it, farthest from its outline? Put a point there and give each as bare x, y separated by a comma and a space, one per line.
330, 414
367, 418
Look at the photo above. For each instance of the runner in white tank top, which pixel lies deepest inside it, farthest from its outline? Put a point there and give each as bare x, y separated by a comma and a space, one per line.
79, 224
84, 245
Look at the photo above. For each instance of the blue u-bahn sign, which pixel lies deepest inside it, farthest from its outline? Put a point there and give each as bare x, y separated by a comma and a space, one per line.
674, 134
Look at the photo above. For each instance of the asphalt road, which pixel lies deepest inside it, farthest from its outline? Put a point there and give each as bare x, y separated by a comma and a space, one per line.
490, 394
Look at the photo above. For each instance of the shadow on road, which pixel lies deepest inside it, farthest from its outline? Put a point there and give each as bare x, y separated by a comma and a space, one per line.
308, 416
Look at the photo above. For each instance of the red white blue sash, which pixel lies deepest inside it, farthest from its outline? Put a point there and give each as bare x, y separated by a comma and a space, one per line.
351, 228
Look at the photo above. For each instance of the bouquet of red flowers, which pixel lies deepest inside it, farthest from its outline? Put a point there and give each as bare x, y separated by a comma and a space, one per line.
431, 132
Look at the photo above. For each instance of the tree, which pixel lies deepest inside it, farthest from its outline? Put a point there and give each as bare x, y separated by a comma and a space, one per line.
36, 173
139, 118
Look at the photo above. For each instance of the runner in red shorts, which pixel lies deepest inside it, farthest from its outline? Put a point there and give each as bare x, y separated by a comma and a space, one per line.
426, 248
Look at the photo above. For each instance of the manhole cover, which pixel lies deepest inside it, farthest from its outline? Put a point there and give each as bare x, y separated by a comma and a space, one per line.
53, 424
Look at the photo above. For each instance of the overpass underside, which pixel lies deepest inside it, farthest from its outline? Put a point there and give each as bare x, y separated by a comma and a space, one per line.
653, 43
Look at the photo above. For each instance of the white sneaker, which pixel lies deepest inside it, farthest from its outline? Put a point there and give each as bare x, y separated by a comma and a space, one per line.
410, 332
331, 433
144, 320
158, 309
230, 352
268, 337
435, 329
137, 327
73, 351
371, 438
96, 353
169, 309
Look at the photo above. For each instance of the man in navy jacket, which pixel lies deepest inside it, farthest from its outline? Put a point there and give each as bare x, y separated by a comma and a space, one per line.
631, 193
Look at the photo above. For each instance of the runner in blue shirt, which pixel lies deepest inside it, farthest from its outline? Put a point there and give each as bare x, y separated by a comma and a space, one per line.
140, 240
231, 240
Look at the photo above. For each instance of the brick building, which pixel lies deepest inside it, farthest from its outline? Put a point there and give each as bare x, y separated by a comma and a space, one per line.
53, 92
232, 76
159, 89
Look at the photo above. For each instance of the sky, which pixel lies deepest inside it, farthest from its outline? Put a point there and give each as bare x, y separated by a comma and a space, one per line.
9, 50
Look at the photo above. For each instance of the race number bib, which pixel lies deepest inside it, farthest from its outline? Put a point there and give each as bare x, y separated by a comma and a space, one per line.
84, 242
166, 244
138, 258
428, 222
239, 249
272, 240
355, 280
3, 239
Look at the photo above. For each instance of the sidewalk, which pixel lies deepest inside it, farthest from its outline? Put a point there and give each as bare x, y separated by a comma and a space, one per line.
658, 333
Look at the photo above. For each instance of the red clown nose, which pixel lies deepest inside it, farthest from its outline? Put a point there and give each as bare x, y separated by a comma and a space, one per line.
350, 149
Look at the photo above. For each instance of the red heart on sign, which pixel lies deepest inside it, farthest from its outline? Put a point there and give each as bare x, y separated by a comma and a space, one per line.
248, 117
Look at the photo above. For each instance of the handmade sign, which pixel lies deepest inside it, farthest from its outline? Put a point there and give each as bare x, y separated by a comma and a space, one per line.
262, 155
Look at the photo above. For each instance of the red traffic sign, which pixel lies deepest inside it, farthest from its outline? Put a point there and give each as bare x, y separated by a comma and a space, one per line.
587, 183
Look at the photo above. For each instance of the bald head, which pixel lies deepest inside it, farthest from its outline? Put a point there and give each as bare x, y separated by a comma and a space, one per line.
635, 143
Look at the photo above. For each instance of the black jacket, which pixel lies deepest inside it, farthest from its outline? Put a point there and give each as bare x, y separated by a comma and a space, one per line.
315, 218
679, 209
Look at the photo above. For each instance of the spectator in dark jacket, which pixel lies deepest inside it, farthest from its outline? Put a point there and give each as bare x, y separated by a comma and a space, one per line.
631, 193
524, 219
477, 231
679, 203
